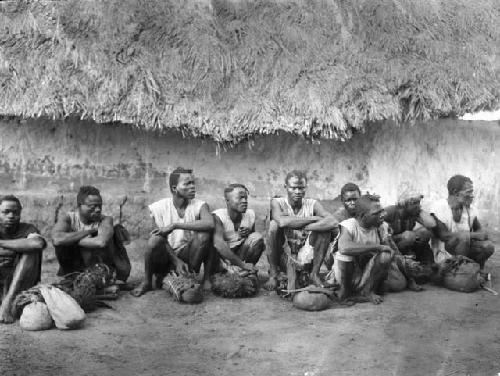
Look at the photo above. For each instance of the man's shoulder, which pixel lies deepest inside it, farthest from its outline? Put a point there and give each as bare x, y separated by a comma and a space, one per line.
222, 212
439, 207
341, 214
348, 223
26, 229
391, 212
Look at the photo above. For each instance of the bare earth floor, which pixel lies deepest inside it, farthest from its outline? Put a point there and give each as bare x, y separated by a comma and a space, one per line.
436, 332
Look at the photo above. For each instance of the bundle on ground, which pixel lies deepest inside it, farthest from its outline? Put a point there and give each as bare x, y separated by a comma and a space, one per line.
235, 285
460, 273
183, 288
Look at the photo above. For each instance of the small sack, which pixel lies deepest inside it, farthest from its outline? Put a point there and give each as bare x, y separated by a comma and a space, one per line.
306, 254
395, 280
310, 301
460, 273
65, 311
36, 316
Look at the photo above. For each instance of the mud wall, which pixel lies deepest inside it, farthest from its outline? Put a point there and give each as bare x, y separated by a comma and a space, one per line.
42, 160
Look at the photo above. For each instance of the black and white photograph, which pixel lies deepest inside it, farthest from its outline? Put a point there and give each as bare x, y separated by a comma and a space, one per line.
249, 187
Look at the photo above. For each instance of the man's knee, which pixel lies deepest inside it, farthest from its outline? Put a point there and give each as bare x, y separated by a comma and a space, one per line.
320, 238
273, 228
423, 235
486, 248
384, 258
204, 239
255, 240
155, 242
408, 236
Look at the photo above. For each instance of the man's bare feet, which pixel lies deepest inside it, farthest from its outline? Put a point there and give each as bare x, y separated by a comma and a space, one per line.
271, 284
6, 316
414, 286
375, 299
316, 280
143, 288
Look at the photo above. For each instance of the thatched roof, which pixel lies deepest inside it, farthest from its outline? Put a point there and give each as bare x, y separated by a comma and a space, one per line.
230, 69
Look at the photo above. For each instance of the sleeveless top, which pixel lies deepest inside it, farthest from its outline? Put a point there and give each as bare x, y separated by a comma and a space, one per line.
358, 234
78, 225
164, 213
298, 237
442, 211
230, 234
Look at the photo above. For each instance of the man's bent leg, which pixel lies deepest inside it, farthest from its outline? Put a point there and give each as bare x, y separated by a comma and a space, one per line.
276, 239
26, 275
344, 274
70, 260
156, 261
200, 251
320, 242
481, 251
378, 273
252, 248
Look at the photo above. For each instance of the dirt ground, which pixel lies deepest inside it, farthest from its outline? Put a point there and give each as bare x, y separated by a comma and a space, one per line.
436, 332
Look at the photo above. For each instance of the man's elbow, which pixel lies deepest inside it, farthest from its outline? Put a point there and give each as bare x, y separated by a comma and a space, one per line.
56, 241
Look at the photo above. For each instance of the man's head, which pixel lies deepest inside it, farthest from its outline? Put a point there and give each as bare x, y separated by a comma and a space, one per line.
295, 185
89, 203
369, 211
461, 189
409, 201
181, 182
10, 211
236, 196
349, 194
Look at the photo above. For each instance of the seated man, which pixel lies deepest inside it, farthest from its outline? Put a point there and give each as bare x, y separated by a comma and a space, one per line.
349, 194
85, 237
21, 248
411, 226
459, 231
235, 238
362, 261
181, 238
297, 222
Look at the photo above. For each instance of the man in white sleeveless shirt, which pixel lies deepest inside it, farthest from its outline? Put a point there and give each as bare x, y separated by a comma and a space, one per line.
85, 236
181, 238
235, 238
297, 220
364, 257
459, 231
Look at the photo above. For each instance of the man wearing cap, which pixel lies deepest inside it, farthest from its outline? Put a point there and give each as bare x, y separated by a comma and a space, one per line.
458, 229
411, 226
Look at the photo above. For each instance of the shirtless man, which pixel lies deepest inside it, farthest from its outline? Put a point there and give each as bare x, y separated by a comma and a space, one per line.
459, 231
181, 237
362, 261
21, 248
297, 220
235, 238
411, 226
85, 236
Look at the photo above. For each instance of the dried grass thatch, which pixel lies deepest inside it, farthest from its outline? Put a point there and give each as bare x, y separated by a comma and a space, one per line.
231, 69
